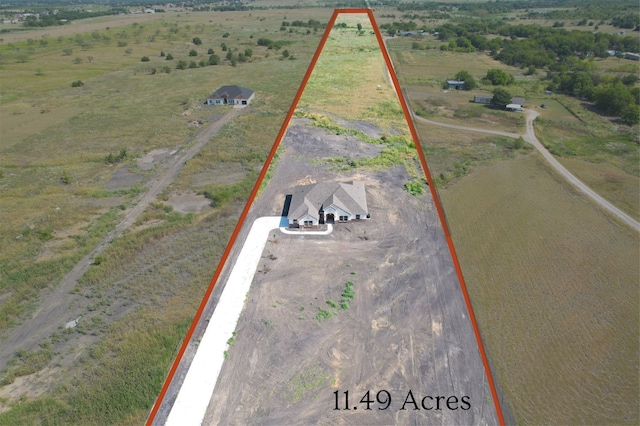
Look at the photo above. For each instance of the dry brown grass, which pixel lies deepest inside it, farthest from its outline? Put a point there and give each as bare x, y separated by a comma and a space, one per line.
554, 284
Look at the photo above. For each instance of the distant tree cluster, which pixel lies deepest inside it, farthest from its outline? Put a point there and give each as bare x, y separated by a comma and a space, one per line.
275, 45
311, 23
47, 18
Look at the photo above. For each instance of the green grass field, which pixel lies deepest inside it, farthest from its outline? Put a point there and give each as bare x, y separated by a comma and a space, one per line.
553, 281
52, 130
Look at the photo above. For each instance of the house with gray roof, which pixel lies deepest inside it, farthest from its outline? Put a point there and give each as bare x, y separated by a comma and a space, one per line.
328, 202
230, 95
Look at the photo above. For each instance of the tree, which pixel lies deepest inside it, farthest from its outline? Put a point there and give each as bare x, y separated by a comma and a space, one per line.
214, 60
285, 54
359, 27
210, 51
162, 54
469, 81
193, 53
145, 59
631, 114
613, 98
181, 65
498, 78
197, 41
501, 98
169, 57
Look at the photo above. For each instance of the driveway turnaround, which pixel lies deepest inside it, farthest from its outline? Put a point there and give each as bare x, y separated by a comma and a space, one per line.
194, 396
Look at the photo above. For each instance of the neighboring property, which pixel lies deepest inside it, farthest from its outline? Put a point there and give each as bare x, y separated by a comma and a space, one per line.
455, 84
514, 107
328, 202
230, 95
518, 101
482, 99
486, 99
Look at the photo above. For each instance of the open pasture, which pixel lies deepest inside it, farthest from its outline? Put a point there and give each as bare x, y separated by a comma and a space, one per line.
553, 281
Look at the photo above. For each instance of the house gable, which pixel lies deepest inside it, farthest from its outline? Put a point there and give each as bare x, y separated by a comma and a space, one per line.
330, 201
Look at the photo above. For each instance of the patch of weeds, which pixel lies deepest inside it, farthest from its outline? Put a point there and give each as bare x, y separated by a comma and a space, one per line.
323, 315
348, 293
267, 323
332, 303
230, 341
27, 362
414, 187
306, 381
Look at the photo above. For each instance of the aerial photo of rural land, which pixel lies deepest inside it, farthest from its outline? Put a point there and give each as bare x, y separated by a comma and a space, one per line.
320, 212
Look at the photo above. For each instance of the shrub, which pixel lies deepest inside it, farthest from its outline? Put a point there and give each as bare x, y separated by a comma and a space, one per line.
193, 53
169, 57
145, 59
77, 83
197, 41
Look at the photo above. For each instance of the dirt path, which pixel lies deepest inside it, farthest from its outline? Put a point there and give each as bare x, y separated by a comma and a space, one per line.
530, 137
59, 307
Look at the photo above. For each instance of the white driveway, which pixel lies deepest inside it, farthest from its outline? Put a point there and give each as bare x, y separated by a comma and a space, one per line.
192, 400
194, 396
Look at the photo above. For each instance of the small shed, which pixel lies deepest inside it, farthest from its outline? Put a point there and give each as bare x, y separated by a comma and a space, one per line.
455, 84
482, 99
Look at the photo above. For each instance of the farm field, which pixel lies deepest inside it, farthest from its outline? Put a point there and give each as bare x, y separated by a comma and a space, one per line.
54, 131
554, 284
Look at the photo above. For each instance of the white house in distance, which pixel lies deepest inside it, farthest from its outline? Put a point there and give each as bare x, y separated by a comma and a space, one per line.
230, 95
328, 202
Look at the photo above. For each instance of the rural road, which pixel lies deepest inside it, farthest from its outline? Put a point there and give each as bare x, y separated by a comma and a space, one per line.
530, 137
58, 308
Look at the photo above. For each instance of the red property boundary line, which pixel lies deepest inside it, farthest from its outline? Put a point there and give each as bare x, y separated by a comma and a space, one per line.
262, 174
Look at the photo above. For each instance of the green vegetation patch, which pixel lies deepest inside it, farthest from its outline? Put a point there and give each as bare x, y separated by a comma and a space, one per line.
305, 382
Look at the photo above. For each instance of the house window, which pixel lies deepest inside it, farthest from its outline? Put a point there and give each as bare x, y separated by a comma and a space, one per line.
295, 220
344, 218
357, 217
308, 223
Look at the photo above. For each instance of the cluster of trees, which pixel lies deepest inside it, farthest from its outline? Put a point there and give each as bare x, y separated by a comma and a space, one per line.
612, 95
48, 19
275, 45
311, 23
495, 77
394, 27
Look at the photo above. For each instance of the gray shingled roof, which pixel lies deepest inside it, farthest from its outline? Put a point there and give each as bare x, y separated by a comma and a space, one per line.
309, 199
232, 92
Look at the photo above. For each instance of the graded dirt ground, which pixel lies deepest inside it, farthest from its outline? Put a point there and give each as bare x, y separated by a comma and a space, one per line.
554, 282
407, 327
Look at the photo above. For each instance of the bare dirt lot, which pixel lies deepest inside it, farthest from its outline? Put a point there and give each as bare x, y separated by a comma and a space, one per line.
406, 329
